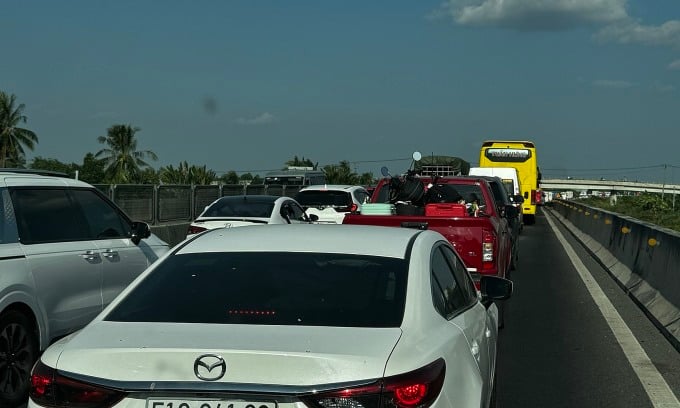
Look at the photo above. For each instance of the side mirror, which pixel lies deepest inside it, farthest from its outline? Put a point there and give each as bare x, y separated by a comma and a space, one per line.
517, 199
511, 211
140, 230
495, 288
313, 217
384, 171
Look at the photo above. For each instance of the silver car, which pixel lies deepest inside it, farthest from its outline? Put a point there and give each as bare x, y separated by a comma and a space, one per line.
65, 252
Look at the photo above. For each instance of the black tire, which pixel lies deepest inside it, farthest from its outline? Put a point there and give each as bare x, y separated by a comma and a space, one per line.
18, 353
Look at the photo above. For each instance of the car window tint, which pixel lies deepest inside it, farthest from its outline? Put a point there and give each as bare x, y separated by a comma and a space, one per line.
271, 288
104, 221
296, 212
240, 208
8, 223
314, 198
467, 286
47, 215
444, 280
470, 192
499, 193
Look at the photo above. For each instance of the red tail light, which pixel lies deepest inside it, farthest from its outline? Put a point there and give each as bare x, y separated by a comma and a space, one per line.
488, 245
533, 197
538, 196
51, 389
194, 229
354, 207
416, 389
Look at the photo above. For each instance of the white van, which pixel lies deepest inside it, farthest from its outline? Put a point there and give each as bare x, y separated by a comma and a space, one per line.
510, 178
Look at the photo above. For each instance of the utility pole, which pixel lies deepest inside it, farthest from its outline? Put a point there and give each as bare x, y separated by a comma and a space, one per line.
663, 186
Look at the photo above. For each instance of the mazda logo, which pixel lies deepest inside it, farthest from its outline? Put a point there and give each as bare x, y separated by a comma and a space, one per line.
210, 367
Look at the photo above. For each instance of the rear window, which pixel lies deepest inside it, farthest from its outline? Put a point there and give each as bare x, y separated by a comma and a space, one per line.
239, 208
314, 198
270, 288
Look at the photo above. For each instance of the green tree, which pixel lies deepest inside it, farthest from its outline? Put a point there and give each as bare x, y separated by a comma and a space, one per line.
123, 162
297, 162
186, 174
41, 163
13, 139
92, 170
229, 178
340, 173
172, 175
366, 179
257, 180
147, 176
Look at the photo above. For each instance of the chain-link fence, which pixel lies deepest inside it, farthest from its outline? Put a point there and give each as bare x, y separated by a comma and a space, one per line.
159, 204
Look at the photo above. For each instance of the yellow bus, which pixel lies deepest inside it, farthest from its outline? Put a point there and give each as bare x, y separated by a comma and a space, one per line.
522, 156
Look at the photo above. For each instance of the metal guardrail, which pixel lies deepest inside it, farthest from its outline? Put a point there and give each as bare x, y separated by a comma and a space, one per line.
160, 204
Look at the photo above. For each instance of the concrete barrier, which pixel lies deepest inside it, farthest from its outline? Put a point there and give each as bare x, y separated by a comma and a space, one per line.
173, 234
642, 257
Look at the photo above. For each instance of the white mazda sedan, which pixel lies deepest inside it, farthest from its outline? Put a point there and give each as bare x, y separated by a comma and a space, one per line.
314, 316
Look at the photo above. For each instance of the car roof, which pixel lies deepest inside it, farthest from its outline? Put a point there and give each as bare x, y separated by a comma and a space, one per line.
332, 187
252, 198
351, 239
27, 177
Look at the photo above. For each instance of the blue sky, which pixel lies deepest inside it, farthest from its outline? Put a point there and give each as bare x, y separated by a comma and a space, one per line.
246, 85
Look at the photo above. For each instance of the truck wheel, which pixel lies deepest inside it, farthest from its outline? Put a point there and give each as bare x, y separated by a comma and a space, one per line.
18, 353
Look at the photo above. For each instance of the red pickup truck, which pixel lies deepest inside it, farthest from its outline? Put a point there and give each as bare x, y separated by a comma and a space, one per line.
477, 228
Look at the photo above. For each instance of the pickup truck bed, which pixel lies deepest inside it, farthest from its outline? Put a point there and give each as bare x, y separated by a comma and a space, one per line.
483, 241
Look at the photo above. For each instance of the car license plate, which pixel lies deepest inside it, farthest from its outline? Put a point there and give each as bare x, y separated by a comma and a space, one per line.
206, 403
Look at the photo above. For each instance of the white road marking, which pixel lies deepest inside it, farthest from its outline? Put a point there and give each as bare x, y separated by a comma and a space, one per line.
657, 388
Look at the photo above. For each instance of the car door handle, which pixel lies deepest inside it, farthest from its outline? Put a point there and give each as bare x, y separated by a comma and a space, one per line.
90, 255
109, 253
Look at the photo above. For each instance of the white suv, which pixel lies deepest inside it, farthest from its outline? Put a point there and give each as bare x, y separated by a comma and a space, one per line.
66, 251
331, 202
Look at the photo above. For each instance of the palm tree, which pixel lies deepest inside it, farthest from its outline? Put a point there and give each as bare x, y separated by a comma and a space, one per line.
123, 161
13, 139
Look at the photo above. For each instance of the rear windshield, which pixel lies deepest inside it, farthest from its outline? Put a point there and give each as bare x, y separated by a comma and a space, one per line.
270, 288
239, 208
314, 198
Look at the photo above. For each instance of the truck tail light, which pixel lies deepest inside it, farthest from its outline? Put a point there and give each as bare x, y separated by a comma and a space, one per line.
533, 197
415, 389
488, 245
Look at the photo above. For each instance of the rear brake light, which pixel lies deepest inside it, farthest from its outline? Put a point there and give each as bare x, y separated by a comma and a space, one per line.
354, 207
51, 389
193, 229
415, 389
488, 244
533, 197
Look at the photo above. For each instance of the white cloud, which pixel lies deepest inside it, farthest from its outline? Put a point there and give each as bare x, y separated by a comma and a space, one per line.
632, 32
674, 66
608, 83
261, 119
533, 15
